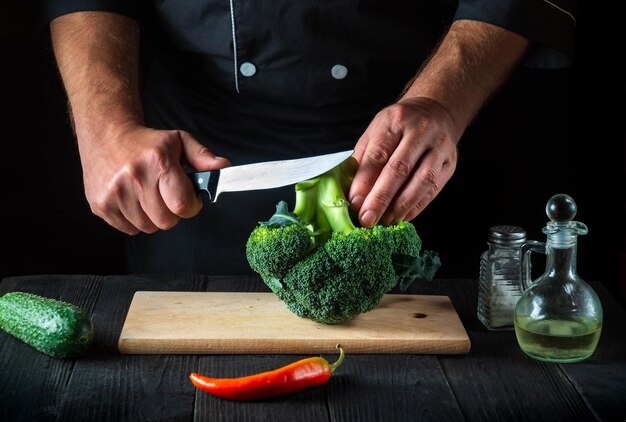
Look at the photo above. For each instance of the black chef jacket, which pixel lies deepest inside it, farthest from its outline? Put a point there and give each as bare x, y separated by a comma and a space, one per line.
266, 80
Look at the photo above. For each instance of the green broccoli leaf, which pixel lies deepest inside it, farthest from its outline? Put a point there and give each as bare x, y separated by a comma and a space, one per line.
282, 217
410, 268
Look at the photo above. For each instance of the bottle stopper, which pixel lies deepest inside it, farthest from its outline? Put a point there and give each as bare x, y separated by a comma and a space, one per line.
562, 230
561, 208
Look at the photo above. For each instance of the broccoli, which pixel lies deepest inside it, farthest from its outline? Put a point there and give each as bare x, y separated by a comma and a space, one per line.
322, 265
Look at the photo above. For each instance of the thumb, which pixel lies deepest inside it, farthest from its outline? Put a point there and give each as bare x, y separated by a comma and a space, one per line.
198, 156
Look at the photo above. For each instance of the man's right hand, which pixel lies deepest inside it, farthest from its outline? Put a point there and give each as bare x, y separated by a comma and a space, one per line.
135, 180
134, 176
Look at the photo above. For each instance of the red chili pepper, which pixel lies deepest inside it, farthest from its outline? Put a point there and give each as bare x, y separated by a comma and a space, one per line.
309, 372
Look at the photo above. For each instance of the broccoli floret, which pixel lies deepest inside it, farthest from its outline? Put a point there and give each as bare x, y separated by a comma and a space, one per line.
405, 239
325, 267
306, 280
274, 246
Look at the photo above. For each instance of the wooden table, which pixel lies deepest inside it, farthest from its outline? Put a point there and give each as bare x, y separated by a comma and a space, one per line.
494, 381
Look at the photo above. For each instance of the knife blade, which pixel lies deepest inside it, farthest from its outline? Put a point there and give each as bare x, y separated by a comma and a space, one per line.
265, 175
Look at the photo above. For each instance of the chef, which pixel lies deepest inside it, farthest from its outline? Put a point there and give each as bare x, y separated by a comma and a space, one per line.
157, 87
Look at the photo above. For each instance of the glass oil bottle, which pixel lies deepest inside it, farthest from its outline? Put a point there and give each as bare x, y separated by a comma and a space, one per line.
559, 316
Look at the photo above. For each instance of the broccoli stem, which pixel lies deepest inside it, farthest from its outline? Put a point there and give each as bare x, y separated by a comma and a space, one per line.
321, 202
333, 203
306, 200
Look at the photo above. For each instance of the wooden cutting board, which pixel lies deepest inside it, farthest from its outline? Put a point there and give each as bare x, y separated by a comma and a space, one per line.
259, 323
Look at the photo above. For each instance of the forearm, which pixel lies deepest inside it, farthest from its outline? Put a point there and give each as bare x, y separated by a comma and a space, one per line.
97, 55
470, 64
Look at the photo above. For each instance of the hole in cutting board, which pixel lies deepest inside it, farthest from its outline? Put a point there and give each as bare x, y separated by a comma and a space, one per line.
419, 315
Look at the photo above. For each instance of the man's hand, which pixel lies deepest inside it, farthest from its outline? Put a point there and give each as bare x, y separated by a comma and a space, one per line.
406, 155
408, 152
135, 181
134, 176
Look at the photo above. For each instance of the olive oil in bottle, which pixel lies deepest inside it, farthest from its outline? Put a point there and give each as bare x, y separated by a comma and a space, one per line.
558, 340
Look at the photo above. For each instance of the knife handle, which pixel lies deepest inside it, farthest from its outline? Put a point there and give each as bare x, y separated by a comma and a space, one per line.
206, 181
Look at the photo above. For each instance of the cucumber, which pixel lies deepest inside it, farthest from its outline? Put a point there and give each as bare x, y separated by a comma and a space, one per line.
56, 328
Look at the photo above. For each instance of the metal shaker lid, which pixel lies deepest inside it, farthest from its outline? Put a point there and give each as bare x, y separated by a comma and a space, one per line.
506, 235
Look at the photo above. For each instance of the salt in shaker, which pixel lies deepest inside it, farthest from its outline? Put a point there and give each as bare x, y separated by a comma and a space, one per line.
499, 285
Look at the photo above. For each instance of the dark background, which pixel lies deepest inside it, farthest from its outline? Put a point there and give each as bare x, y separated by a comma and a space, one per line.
545, 132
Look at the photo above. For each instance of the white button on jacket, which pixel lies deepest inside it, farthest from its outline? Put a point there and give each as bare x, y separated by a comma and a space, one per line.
339, 71
247, 69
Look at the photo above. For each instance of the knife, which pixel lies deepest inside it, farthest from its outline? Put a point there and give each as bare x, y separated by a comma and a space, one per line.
265, 175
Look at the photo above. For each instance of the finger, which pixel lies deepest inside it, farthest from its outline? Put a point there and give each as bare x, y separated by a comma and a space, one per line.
359, 187
134, 213
378, 145
431, 174
155, 206
127, 216
110, 207
359, 148
119, 222
198, 156
178, 193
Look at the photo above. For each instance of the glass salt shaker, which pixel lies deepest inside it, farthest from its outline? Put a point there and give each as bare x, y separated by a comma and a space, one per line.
499, 285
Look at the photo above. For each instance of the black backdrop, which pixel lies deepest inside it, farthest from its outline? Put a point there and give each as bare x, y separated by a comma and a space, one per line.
545, 132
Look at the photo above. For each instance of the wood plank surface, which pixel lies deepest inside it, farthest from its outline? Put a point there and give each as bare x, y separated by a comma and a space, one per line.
373, 388
241, 323
108, 386
493, 381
